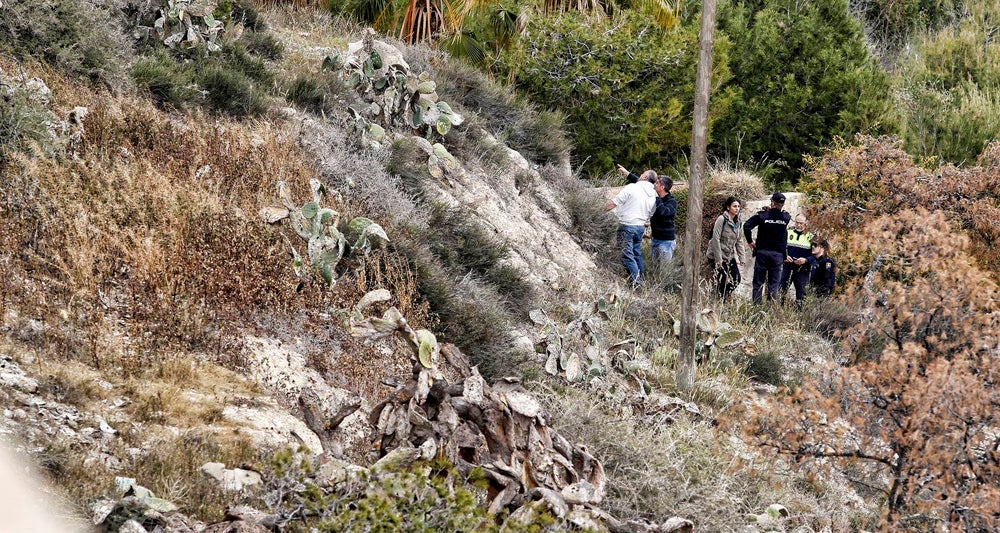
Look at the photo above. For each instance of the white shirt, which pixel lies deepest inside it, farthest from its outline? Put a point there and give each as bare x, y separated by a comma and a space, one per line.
635, 203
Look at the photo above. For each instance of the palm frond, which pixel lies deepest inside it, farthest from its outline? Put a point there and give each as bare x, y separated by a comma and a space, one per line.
666, 16
369, 11
466, 46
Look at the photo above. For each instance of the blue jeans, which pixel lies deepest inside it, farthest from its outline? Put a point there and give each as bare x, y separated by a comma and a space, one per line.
630, 242
662, 251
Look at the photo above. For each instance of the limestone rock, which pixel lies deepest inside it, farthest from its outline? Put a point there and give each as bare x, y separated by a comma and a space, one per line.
577, 493
233, 479
284, 370
270, 425
11, 375
676, 524
131, 526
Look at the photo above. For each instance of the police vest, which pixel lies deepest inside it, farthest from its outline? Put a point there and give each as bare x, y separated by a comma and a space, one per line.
800, 240
799, 244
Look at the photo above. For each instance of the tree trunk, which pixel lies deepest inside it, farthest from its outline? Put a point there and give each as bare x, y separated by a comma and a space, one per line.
696, 187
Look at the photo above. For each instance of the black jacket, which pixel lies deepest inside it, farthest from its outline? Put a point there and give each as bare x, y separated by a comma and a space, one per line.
662, 222
661, 225
824, 275
772, 229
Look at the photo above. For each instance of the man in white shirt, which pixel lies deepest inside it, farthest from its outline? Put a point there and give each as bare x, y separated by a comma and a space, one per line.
634, 205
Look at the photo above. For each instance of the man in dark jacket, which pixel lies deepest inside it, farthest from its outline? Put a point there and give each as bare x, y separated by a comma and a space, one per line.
661, 224
769, 248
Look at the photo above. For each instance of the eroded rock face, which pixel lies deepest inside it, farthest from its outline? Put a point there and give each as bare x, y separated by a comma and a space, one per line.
273, 426
334, 415
513, 202
520, 208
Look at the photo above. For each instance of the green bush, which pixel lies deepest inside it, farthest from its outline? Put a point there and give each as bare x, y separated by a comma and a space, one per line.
766, 367
263, 45
464, 246
22, 123
802, 74
308, 93
947, 89
82, 39
891, 23
168, 83
592, 227
627, 86
426, 496
232, 81
244, 12
230, 91
235, 56
469, 313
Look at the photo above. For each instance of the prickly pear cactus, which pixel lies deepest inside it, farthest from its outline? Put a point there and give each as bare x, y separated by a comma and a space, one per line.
391, 97
187, 23
317, 225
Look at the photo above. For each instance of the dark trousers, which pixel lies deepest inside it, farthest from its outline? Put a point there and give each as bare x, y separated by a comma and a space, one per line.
727, 278
797, 275
767, 270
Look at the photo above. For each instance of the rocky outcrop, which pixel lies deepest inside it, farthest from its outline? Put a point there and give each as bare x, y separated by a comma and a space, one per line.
512, 201
500, 430
334, 416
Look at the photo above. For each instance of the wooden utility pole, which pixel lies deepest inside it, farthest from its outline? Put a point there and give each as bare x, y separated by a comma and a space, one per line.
696, 188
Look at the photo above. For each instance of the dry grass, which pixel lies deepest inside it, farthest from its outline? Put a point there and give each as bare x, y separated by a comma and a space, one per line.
656, 472
738, 182
308, 34
688, 467
153, 221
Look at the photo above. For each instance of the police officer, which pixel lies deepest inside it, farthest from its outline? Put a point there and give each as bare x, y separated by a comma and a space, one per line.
797, 267
770, 247
824, 269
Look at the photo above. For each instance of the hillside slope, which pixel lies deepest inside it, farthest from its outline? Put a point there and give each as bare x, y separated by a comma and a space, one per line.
302, 297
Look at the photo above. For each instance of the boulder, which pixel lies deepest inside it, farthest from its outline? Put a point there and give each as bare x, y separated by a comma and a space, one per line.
234, 479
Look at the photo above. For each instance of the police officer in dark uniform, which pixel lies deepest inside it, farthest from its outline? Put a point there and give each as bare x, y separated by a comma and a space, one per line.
824, 269
770, 247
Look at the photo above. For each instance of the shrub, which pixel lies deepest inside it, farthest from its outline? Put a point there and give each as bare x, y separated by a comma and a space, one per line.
592, 227
463, 247
243, 11
230, 91
82, 39
471, 314
627, 86
854, 184
423, 497
914, 421
766, 367
802, 74
168, 83
646, 463
829, 316
23, 122
308, 93
538, 134
946, 89
263, 45
891, 24
233, 80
